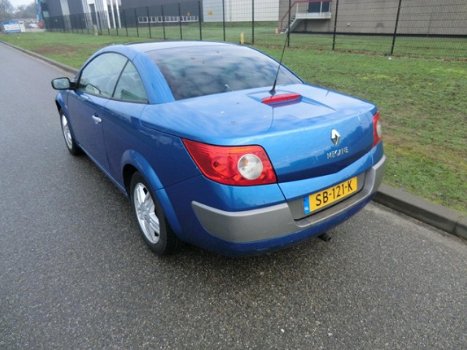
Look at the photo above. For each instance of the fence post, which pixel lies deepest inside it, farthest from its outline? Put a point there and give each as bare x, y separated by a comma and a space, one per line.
85, 18
107, 22
335, 27
252, 22
395, 27
223, 17
99, 24
288, 24
149, 22
124, 21
116, 25
199, 20
137, 25
163, 21
180, 20
108, 25
85, 23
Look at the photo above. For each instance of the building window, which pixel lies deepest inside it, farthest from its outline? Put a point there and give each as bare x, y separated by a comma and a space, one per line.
318, 7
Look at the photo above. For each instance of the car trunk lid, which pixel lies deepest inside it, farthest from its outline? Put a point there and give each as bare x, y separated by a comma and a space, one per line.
317, 132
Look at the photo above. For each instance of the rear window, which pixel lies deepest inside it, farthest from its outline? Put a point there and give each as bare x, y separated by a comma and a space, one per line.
205, 70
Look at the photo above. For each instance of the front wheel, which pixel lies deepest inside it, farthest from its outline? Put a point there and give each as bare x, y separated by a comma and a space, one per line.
151, 218
70, 143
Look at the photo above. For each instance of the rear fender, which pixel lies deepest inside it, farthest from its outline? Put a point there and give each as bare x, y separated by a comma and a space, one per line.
135, 159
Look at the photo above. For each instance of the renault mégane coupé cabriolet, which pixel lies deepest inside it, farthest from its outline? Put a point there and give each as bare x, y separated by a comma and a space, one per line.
210, 154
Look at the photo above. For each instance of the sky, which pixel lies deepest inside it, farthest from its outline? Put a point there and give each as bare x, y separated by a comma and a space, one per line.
16, 3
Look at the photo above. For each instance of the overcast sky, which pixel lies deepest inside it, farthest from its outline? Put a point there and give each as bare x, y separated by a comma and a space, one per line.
16, 3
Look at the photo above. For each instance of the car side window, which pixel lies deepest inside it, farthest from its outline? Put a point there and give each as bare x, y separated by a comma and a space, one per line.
130, 87
101, 74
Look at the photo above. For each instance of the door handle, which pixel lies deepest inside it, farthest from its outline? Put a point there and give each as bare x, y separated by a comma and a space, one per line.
96, 119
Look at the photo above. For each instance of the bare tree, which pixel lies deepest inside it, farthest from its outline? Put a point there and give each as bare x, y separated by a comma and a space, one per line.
26, 11
6, 10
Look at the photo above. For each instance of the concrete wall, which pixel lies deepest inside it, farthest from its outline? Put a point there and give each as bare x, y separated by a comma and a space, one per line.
187, 8
157, 3
51, 7
75, 7
240, 10
448, 17
438, 17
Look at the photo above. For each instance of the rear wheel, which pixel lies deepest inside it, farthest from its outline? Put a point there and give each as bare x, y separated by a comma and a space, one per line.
70, 143
151, 218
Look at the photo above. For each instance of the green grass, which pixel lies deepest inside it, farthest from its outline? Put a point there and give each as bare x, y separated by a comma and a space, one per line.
422, 101
70, 49
265, 35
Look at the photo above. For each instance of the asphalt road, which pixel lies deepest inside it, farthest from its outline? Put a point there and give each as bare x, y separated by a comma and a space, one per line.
74, 272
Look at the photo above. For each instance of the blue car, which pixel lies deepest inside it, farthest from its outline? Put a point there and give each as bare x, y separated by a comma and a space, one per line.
220, 146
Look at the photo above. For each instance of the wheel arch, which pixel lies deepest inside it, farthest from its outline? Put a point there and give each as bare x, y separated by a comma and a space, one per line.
59, 102
133, 162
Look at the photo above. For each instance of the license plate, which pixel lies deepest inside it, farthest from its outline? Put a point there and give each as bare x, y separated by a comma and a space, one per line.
324, 198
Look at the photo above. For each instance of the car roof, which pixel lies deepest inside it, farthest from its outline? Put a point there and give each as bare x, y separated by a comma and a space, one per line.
151, 46
139, 52
137, 49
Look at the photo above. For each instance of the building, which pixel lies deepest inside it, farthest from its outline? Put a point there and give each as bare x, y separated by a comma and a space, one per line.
55, 8
417, 17
111, 14
69, 14
240, 10
160, 11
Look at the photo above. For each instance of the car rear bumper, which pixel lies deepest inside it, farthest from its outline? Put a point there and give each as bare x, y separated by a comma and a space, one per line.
275, 222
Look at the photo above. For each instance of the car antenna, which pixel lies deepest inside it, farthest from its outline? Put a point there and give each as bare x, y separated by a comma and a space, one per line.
273, 90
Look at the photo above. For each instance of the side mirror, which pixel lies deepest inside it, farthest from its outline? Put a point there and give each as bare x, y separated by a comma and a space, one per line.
62, 84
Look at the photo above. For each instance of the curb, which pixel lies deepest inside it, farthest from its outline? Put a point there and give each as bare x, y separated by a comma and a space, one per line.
43, 58
445, 219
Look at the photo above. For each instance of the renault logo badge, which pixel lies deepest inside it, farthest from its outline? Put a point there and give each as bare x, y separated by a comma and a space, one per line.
335, 137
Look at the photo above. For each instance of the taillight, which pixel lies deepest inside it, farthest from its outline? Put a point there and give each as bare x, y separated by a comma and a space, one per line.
232, 165
377, 129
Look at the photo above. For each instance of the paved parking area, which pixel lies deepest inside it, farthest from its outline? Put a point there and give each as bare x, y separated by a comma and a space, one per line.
75, 274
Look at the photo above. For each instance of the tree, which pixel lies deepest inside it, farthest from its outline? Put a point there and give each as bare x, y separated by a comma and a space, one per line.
26, 11
6, 10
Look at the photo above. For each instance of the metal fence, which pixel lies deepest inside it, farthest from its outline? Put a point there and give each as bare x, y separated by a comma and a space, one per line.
391, 27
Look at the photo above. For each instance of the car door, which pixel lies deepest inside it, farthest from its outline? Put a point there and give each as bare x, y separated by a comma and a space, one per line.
87, 103
123, 111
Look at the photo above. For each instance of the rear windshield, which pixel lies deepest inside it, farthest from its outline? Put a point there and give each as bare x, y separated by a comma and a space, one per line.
205, 70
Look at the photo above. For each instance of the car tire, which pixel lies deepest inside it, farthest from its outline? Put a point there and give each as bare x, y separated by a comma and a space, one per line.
150, 217
67, 133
